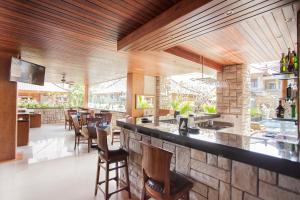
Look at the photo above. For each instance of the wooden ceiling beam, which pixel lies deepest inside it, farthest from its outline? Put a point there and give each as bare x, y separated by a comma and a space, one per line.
184, 22
179, 12
186, 54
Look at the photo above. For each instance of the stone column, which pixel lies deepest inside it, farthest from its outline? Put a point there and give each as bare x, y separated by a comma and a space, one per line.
157, 100
233, 96
8, 108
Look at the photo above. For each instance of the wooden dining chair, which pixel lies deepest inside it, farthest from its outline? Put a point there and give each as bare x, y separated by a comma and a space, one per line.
79, 137
108, 157
158, 181
70, 113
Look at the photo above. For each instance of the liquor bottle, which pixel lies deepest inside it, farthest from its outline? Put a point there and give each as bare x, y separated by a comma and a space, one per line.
280, 110
293, 107
295, 61
289, 91
282, 64
290, 61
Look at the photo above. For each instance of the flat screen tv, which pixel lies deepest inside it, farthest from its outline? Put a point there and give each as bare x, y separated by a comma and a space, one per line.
26, 72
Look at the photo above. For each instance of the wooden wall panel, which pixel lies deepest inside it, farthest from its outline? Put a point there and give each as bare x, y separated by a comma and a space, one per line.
8, 116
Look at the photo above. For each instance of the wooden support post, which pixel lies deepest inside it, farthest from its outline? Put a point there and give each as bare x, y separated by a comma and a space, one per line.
135, 86
8, 110
284, 85
86, 96
157, 100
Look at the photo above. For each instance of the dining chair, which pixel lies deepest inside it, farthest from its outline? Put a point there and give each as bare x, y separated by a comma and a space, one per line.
158, 181
79, 137
70, 113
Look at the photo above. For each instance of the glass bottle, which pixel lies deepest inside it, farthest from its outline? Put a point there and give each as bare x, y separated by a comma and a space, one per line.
289, 91
290, 61
280, 110
282, 64
295, 61
293, 107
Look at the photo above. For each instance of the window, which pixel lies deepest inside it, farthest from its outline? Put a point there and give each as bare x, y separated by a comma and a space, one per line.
110, 95
254, 83
270, 85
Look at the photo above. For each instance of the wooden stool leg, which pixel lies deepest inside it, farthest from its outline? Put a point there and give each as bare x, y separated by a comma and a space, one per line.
97, 175
186, 196
143, 196
112, 138
106, 181
127, 178
89, 145
75, 142
117, 174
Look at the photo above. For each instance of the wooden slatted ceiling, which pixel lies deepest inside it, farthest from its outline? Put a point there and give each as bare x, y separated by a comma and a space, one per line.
80, 37
256, 40
206, 19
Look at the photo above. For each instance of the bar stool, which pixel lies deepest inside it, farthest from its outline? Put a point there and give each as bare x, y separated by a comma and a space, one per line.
109, 157
158, 181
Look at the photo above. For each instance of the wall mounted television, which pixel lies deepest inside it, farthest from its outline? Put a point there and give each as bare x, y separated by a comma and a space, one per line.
26, 72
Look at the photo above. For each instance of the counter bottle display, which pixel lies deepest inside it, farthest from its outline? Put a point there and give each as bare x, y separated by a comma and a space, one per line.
280, 110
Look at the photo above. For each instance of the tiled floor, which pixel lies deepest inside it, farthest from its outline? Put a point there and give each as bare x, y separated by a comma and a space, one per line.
51, 169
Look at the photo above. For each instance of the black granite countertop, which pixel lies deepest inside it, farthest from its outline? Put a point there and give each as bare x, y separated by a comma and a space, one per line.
278, 156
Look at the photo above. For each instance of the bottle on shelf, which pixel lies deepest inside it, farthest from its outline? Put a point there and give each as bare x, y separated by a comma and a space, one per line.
295, 61
289, 91
290, 61
293, 108
282, 64
280, 110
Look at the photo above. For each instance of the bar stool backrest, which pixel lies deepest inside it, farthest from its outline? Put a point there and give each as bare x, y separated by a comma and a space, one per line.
156, 166
76, 124
102, 141
106, 116
66, 115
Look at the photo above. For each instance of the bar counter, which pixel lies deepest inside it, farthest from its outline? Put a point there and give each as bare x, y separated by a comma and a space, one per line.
220, 163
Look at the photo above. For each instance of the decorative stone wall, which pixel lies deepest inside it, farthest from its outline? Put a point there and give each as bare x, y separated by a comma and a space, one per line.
214, 177
51, 115
233, 96
57, 116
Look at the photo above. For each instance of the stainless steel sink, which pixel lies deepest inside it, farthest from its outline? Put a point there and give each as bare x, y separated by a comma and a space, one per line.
214, 125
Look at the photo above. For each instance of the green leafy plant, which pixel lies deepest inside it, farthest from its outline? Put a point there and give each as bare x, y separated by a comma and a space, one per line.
175, 105
254, 112
142, 103
207, 108
185, 108
76, 96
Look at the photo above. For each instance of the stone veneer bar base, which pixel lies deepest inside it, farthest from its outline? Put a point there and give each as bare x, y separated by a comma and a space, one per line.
214, 177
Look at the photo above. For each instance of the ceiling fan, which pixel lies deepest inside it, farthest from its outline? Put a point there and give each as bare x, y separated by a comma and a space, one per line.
64, 81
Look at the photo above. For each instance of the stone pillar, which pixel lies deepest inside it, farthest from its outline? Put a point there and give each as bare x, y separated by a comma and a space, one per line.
8, 108
135, 86
157, 100
233, 96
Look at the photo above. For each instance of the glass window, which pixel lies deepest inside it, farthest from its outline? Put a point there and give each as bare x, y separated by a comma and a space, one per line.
110, 95
254, 83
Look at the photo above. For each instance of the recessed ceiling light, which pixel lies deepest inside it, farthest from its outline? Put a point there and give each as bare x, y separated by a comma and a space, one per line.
229, 12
